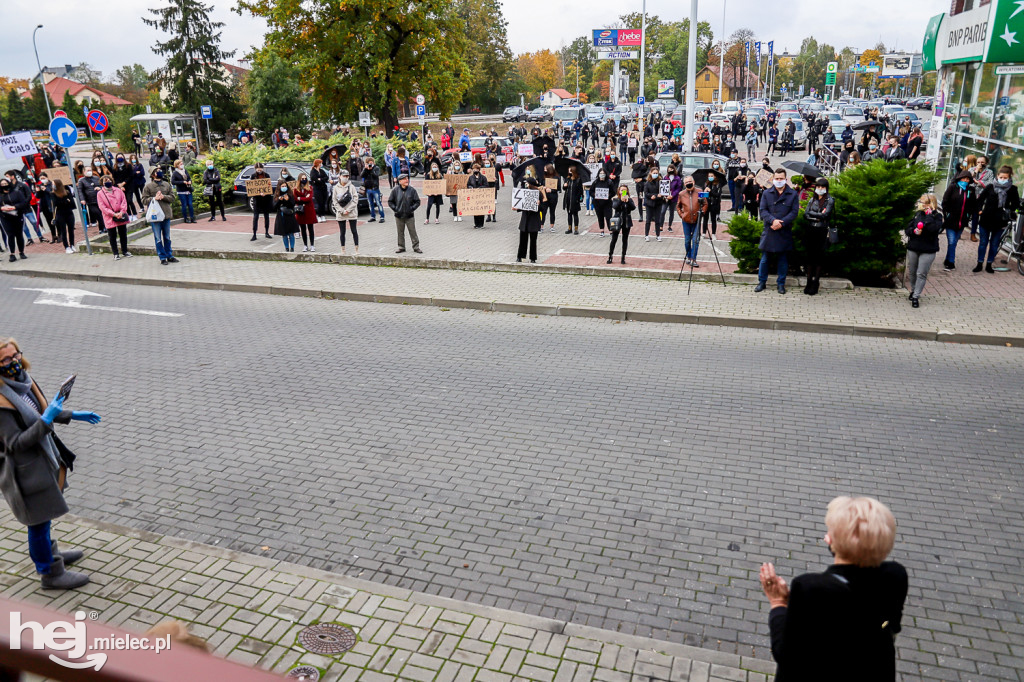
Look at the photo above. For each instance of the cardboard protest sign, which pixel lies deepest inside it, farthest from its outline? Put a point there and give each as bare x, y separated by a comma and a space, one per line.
453, 183
293, 185
526, 149
434, 187
465, 157
62, 173
488, 173
525, 199
476, 201
551, 183
763, 178
665, 188
260, 187
601, 193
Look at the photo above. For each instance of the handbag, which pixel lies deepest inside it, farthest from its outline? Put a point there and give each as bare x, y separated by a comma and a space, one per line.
208, 191
833, 235
287, 211
154, 213
615, 223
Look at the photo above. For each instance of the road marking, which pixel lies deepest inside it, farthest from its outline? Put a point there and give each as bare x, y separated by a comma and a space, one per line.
72, 298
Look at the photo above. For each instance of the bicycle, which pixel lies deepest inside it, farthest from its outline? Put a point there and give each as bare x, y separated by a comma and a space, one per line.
1013, 243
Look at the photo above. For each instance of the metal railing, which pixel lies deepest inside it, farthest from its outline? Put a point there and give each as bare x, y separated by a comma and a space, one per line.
828, 160
56, 634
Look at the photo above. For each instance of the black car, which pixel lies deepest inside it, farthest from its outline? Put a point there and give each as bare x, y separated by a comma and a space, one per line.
513, 115
274, 168
539, 114
920, 103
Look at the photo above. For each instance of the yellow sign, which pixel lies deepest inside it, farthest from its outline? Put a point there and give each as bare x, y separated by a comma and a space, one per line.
434, 187
455, 182
488, 173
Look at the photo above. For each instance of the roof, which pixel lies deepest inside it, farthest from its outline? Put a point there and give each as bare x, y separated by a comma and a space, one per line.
143, 118
234, 70
58, 86
732, 74
564, 94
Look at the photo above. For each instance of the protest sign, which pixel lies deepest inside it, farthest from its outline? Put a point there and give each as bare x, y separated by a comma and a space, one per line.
526, 149
488, 173
260, 187
465, 157
763, 178
601, 193
17, 144
526, 199
453, 183
631, 143
476, 201
551, 183
665, 188
62, 173
508, 150
434, 187
500, 159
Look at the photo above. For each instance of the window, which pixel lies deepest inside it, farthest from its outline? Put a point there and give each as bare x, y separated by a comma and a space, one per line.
707, 76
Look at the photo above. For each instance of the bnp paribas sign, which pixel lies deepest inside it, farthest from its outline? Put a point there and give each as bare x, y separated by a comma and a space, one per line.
1006, 32
990, 33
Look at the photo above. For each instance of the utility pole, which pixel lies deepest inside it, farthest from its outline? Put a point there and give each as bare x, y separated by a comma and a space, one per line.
643, 45
691, 79
721, 55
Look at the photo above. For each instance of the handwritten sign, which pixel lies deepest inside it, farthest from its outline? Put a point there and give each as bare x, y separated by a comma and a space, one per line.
476, 201
508, 150
17, 144
501, 159
665, 188
433, 188
526, 199
455, 182
488, 173
551, 183
601, 193
259, 187
293, 185
62, 173
631, 143
763, 178
526, 149
465, 157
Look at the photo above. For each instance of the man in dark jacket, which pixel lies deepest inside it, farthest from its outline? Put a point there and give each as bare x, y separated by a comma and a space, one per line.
779, 208
404, 201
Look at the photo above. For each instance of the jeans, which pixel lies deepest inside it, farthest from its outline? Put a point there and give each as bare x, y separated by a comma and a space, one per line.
918, 265
162, 237
974, 224
31, 217
691, 239
732, 196
40, 547
952, 237
990, 239
289, 240
588, 202
762, 270
187, 210
373, 198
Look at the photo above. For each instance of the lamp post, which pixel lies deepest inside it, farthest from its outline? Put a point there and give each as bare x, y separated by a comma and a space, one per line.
46, 98
721, 57
643, 44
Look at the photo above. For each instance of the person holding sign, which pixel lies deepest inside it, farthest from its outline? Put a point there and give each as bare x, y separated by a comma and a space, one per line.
493, 182
622, 220
477, 181
434, 201
261, 204
530, 223
455, 169
553, 185
603, 189
653, 201
573, 201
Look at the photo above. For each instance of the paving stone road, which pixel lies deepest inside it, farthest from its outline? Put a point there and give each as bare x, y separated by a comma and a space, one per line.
625, 476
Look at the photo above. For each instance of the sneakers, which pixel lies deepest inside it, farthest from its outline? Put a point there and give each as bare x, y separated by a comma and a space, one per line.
372, 220
312, 248
417, 249
127, 254
658, 239
69, 250
305, 248
947, 266
552, 229
647, 239
163, 261
601, 235
117, 258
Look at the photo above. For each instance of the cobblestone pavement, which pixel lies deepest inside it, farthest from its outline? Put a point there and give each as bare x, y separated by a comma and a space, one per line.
629, 477
251, 610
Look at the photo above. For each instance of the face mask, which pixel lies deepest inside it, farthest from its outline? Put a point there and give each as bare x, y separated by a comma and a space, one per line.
108, 184
5, 188
12, 370
303, 181
873, 147
120, 162
743, 165
689, 185
88, 173
733, 155
600, 176
779, 183
352, 156
820, 191
1002, 181
962, 184
284, 190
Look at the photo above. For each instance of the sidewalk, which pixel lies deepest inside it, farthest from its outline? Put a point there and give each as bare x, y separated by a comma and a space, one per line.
870, 312
252, 610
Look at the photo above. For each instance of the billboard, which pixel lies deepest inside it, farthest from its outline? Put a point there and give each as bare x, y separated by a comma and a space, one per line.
617, 37
900, 65
620, 54
666, 89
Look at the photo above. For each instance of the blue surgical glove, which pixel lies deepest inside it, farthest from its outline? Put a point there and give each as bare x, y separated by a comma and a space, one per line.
53, 410
90, 417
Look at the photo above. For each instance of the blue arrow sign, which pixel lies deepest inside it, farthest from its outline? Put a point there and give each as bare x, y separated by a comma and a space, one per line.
206, 110
63, 132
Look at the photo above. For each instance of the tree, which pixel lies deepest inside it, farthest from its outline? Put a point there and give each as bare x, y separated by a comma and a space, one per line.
488, 53
675, 55
540, 71
85, 73
370, 55
36, 114
274, 94
581, 53
15, 119
193, 72
73, 109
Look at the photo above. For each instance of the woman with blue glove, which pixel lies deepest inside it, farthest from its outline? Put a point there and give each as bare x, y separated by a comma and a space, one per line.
34, 464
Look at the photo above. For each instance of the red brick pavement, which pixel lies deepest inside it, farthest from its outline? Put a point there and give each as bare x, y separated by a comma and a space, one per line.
963, 282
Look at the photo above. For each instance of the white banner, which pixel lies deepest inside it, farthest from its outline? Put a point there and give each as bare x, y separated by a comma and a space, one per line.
17, 145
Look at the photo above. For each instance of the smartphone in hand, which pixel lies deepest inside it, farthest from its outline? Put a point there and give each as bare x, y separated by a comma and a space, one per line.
65, 388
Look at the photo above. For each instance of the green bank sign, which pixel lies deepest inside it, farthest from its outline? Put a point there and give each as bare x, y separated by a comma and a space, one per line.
990, 33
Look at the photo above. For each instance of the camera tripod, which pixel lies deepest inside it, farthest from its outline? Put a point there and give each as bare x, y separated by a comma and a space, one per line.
705, 230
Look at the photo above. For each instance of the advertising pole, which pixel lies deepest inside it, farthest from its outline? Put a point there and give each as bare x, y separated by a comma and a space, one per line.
643, 46
691, 78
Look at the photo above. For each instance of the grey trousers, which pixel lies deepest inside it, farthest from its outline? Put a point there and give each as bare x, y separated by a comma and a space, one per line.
918, 265
402, 223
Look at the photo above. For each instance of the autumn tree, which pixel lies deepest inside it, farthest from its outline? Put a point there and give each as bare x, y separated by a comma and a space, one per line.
540, 71
675, 55
488, 56
370, 55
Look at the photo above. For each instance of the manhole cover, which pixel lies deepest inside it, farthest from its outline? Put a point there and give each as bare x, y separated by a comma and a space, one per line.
327, 638
304, 672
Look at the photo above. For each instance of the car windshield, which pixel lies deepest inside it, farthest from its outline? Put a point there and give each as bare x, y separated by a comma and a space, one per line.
566, 114
853, 111
621, 109
539, 110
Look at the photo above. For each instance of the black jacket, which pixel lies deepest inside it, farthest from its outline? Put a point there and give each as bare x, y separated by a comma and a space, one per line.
994, 216
211, 178
613, 168
958, 205
476, 181
403, 202
182, 182
843, 621
820, 214
652, 194
624, 209
931, 228
639, 171
319, 178
371, 180
573, 195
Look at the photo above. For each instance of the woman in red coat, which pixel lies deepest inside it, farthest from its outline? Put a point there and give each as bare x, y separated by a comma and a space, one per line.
305, 213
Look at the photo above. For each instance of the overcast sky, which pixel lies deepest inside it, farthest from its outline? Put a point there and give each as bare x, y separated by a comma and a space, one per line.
110, 34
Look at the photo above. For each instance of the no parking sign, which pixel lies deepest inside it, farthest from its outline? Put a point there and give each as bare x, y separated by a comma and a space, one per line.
97, 121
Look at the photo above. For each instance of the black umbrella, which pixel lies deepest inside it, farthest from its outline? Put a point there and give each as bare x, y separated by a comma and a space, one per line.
702, 176
864, 125
340, 148
536, 162
540, 142
801, 168
564, 163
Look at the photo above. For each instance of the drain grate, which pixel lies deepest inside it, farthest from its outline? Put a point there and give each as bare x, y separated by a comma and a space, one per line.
304, 672
327, 638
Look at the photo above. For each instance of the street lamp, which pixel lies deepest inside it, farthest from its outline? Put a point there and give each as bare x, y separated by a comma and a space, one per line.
42, 85
721, 57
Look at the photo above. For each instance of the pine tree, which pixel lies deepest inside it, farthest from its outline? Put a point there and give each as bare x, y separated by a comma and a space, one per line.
193, 73
73, 109
15, 113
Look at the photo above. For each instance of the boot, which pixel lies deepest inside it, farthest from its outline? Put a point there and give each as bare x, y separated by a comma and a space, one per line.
809, 287
70, 556
60, 579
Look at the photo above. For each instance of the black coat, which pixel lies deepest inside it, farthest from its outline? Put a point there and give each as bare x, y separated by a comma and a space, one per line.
284, 223
573, 197
64, 207
784, 207
652, 194
529, 221
994, 217
840, 625
931, 228
624, 209
958, 205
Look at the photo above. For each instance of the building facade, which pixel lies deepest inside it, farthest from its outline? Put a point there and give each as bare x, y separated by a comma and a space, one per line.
978, 51
739, 84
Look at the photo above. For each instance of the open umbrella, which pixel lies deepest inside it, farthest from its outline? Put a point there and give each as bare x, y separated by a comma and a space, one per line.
340, 148
536, 162
540, 142
864, 125
564, 163
801, 168
702, 176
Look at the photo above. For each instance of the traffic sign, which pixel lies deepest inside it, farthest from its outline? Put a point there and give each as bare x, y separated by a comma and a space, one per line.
640, 100
63, 132
85, 111
97, 121
206, 111
420, 99
60, 113
364, 119
421, 110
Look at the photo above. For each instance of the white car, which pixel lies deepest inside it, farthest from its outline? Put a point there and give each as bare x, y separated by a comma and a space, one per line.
852, 114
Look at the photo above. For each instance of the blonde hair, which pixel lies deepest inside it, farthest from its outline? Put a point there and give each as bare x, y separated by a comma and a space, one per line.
863, 530
9, 341
929, 201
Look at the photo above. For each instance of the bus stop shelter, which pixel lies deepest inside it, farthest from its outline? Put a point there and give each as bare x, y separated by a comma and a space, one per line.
182, 128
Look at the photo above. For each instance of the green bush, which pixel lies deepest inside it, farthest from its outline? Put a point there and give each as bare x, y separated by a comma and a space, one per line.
874, 201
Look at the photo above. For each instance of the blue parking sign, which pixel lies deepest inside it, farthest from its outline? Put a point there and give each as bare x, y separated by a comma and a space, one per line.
640, 100
421, 109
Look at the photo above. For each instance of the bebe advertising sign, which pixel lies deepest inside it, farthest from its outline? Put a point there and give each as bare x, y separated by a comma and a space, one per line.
72, 638
617, 37
629, 37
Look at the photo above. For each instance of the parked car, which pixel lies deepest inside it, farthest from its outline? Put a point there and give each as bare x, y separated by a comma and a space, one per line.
595, 113
691, 161
274, 168
607, 106
476, 146
513, 115
920, 103
624, 112
539, 114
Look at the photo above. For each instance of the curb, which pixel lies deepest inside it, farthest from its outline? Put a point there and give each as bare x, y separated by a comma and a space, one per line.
490, 612
449, 264
557, 310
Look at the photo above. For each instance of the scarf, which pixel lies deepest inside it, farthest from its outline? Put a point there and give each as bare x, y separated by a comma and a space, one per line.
19, 393
1000, 191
